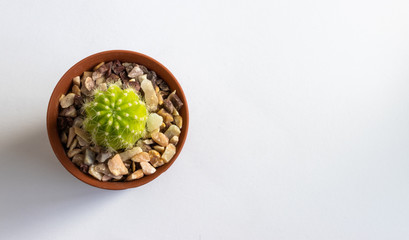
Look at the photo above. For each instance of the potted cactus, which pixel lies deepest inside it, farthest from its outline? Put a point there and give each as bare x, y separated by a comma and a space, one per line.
119, 125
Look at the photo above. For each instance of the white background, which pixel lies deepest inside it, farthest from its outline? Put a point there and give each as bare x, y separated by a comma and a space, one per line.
299, 120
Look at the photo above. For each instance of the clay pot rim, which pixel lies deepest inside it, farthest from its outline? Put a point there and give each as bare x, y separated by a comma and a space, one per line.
64, 84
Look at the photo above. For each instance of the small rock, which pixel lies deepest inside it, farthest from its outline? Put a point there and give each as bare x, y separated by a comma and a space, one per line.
160, 138
168, 105
116, 166
94, 173
96, 75
102, 168
67, 101
167, 117
78, 122
73, 152
154, 121
160, 98
135, 72
84, 168
154, 157
71, 135
69, 112
102, 87
85, 75
169, 153
83, 134
159, 148
106, 178
78, 159
177, 103
75, 89
130, 153
178, 121
135, 175
100, 81
148, 141
108, 65
147, 168
76, 81
134, 84
98, 66
150, 95
141, 157
85, 91
78, 101
82, 142
103, 156
118, 69
89, 84
174, 140
89, 158
144, 69
112, 78
157, 163
73, 144
173, 130
63, 137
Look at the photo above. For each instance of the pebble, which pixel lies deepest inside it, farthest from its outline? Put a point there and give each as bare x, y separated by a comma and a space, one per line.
169, 153
69, 112
130, 153
76, 81
94, 173
85, 75
159, 148
103, 156
89, 84
167, 104
102, 87
135, 72
177, 103
67, 100
160, 138
73, 152
141, 157
150, 95
116, 166
172, 131
83, 134
100, 81
147, 168
71, 135
89, 157
75, 89
174, 140
135, 175
73, 144
102, 168
63, 137
178, 121
106, 178
167, 117
82, 142
78, 159
154, 121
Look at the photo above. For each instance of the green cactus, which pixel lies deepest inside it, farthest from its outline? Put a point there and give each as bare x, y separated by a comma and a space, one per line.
116, 118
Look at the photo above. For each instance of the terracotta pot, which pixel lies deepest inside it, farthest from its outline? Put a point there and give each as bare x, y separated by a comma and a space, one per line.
65, 84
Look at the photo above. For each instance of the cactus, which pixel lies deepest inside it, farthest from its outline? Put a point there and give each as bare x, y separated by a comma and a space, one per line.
116, 118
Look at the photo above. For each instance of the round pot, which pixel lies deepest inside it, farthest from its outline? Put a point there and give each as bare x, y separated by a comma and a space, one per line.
65, 84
